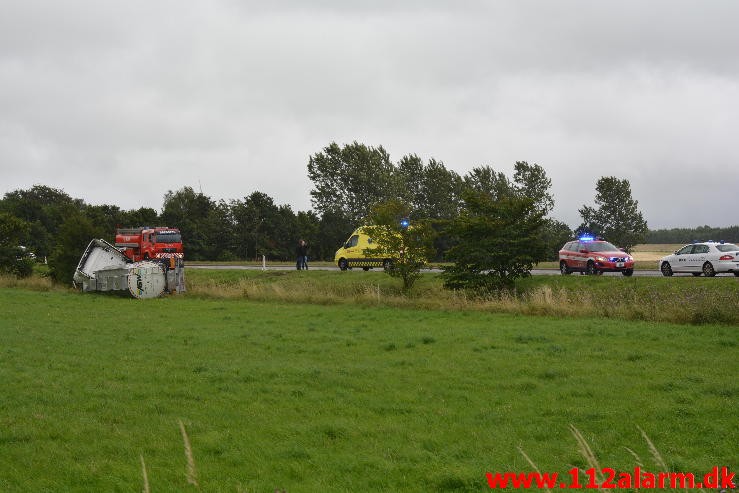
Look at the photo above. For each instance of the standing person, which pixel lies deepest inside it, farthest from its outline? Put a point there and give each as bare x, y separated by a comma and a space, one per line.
301, 252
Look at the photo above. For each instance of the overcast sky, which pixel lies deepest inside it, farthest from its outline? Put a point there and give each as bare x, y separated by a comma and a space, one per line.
117, 102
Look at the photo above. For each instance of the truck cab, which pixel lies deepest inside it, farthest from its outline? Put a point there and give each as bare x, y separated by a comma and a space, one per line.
147, 243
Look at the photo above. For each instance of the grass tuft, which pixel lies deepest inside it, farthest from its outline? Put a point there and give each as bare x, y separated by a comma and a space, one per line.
191, 473
145, 488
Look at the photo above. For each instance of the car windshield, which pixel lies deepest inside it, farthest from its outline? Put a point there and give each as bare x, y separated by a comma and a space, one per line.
601, 246
727, 247
169, 237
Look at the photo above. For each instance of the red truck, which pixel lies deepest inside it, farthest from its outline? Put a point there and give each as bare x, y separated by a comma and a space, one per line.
146, 243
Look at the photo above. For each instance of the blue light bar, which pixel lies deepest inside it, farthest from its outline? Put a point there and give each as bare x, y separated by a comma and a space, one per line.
586, 238
405, 222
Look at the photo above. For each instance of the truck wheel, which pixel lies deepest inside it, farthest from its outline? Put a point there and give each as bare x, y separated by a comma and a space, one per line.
343, 264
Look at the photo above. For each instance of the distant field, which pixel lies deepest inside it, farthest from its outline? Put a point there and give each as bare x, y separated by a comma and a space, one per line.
653, 252
344, 398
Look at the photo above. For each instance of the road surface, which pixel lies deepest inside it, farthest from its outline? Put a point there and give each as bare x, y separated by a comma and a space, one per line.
535, 272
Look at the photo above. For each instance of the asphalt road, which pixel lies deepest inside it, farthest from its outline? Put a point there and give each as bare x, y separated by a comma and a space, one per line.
535, 272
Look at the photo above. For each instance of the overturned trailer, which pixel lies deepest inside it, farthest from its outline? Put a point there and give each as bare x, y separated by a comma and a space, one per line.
105, 268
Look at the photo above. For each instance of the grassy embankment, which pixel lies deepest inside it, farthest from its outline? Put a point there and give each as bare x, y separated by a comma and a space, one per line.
344, 396
678, 299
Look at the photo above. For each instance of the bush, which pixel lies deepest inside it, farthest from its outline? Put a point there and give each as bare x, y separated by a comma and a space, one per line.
13, 262
74, 235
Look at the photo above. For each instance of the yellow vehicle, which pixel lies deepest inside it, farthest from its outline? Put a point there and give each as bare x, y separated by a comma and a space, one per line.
354, 253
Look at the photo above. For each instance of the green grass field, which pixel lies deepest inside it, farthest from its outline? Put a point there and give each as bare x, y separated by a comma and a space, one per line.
331, 397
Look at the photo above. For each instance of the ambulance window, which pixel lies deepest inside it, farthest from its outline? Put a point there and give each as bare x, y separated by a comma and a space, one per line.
353, 241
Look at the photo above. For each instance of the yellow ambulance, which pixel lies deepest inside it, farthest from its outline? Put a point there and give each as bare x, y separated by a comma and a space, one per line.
353, 253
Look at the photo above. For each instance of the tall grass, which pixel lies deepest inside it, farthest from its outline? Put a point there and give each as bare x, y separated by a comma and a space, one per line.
34, 283
678, 300
583, 447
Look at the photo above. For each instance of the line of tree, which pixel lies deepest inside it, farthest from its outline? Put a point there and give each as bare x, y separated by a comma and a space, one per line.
687, 235
348, 182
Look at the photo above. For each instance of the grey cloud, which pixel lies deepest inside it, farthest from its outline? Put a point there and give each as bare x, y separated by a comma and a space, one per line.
235, 95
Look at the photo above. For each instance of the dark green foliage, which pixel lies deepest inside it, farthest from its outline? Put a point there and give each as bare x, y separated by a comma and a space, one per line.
257, 220
532, 181
485, 179
617, 217
334, 228
686, 235
190, 212
350, 179
554, 234
74, 235
14, 258
409, 247
441, 193
44, 208
498, 241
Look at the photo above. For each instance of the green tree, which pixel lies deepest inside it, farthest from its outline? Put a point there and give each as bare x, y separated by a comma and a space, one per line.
554, 234
334, 228
409, 181
106, 217
531, 181
485, 179
617, 216
191, 213
13, 235
257, 220
350, 179
45, 209
220, 232
498, 241
75, 233
143, 216
307, 227
441, 191
410, 247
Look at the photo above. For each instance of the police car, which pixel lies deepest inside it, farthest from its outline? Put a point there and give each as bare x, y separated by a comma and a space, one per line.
707, 257
593, 255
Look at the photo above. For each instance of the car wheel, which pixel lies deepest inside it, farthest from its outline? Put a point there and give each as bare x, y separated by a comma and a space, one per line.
696, 274
708, 270
628, 272
343, 264
564, 269
666, 269
590, 269
365, 269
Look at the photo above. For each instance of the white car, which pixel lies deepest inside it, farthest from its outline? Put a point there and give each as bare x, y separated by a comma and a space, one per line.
707, 257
